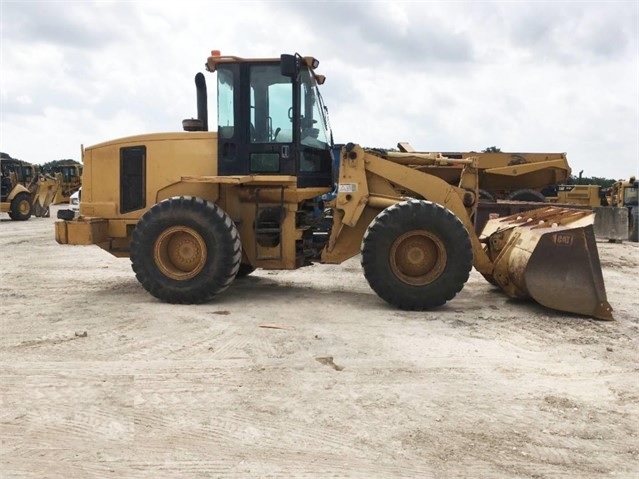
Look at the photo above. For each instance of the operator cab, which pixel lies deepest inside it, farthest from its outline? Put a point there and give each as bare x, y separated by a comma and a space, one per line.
271, 119
630, 195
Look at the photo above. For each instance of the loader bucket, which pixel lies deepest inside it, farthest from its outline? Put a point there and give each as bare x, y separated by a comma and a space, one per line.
46, 189
550, 255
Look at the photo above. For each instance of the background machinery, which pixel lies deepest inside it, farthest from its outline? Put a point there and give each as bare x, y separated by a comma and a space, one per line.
505, 176
615, 207
625, 194
195, 209
15, 197
71, 179
24, 191
587, 195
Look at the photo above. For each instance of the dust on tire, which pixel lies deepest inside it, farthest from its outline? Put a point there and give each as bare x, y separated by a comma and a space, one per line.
429, 222
206, 226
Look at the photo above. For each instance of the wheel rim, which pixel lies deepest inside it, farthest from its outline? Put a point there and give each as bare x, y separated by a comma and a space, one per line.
180, 253
418, 257
24, 207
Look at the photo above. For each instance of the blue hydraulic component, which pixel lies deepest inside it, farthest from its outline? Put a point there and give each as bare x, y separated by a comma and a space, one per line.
318, 210
336, 157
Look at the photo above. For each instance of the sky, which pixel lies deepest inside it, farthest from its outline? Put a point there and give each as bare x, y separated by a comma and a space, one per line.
525, 76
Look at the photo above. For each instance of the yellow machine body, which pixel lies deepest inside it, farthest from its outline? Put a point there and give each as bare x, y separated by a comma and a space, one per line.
22, 201
70, 180
173, 211
587, 195
504, 175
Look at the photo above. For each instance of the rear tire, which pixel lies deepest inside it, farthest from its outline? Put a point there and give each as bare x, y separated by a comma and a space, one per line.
527, 195
21, 207
245, 270
185, 250
416, 255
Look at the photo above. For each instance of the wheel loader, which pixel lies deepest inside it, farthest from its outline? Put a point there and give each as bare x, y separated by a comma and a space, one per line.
15, 198
194, 210
71, 174
22, 201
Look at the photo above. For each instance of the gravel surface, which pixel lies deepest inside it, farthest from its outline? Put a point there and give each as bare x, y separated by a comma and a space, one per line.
304, 373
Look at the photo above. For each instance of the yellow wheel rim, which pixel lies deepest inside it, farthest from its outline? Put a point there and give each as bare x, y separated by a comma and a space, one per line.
24, 206
418, 257
180, 253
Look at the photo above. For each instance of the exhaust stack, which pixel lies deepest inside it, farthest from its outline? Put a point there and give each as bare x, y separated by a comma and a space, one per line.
201, 123
202, 109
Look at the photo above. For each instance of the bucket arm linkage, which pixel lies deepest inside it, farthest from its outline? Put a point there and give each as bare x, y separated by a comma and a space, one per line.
369, 183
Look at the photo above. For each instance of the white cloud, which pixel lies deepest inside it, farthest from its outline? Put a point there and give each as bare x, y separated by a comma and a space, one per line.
525, 76
24, 100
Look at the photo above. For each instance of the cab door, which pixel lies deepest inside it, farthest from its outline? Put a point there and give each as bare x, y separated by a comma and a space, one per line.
256, 117
271, 134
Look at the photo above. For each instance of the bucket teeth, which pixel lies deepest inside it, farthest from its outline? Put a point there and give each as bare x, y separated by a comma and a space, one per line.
550, 255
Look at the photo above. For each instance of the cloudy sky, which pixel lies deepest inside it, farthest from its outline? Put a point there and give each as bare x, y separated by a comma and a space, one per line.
445, 76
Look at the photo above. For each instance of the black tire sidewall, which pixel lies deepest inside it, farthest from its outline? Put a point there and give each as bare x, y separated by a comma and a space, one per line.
527, 195
244, 270
217, 231
15, 207
408, 216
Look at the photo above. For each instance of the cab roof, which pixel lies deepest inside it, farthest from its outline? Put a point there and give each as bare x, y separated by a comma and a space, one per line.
216, 58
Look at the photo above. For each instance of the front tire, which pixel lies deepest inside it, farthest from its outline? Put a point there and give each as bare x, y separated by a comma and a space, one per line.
416, 255
21, 207
185, 250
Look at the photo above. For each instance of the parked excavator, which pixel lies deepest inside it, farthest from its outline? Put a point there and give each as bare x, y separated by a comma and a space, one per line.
196, 209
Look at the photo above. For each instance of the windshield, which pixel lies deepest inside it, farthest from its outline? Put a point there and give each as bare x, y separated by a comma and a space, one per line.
630, 195
314, 128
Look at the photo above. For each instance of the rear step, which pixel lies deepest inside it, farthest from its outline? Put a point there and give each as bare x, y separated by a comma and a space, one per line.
268, 228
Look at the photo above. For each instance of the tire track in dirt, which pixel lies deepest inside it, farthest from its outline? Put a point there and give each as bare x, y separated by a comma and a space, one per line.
62, 416
446, 393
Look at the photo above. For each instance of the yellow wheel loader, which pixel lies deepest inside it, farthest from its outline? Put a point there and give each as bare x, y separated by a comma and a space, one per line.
15, 200
194, 210
44, 189
20, 201
71, 180
15, 197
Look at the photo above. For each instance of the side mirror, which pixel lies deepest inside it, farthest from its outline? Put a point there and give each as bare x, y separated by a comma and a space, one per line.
289, 65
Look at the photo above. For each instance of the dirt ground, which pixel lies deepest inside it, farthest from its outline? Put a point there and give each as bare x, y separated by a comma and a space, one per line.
304, 374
